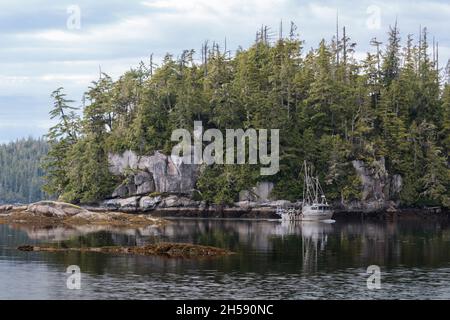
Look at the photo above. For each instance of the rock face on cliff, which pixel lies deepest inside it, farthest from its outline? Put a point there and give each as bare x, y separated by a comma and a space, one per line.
159, 181
156, 173
378, 187
260, 193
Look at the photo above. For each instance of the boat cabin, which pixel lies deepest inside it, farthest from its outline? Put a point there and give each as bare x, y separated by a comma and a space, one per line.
321, 207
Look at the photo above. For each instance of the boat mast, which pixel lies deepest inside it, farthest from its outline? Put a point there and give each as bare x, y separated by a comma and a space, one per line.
312, 190
305, 183
316, 191
309, 187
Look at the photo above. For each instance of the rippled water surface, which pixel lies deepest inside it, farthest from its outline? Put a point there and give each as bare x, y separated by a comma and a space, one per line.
272, 261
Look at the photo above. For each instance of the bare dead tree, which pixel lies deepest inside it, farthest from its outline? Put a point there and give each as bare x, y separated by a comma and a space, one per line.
205, 57
434, 53
377, 44
337, 38
151, 65
292, 32
447, 72
225, 46
437, 55
280, 36
420, 46
344, 46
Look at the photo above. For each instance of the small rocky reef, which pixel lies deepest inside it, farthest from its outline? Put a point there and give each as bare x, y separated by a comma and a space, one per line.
170, 250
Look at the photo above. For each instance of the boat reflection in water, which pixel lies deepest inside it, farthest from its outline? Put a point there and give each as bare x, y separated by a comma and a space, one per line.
314, 235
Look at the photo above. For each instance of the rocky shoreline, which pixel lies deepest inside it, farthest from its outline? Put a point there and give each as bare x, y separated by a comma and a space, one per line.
182, 206
147, 210
164, 186
171, 205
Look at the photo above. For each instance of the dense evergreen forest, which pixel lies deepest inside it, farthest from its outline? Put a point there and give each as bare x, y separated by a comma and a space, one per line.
20, 171
330, 109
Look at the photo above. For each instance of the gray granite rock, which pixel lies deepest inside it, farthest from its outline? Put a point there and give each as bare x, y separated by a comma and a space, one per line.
130, 204
54, 209
141, 177
6, 207
169, 173
149, 203
259, 193
146, 188
378, 187
120, 192
176, 201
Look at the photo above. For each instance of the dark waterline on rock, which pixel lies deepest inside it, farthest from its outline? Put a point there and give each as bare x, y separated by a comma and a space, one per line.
273, 261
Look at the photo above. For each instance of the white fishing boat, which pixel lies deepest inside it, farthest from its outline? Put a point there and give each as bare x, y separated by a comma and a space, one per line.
314, 205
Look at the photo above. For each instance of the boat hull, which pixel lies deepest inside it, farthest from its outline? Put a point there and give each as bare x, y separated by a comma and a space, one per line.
325, 215
306, 216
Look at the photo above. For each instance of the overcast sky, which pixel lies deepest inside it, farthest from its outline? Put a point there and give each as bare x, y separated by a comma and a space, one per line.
44, 45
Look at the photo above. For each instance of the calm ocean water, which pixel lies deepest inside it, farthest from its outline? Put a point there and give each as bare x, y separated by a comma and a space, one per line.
273, 260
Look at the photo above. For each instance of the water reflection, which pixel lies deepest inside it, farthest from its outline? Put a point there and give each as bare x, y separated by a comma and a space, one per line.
273, 259
314, 236
290, 246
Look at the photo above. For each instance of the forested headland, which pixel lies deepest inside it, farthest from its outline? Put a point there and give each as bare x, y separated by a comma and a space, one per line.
21, 174
330, 108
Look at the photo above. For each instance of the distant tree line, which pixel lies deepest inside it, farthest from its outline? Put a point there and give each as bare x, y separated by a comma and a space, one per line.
331, 109
21, 175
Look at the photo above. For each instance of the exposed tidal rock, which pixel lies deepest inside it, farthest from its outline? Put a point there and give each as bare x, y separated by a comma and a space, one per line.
130, 204
149, 203
246, 204
6, 208
176, 201
279, 203
53, 214
54, 209
182, 206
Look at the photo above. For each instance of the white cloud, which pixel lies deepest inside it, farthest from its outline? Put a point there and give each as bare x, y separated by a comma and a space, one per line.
322, 12
132, 28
